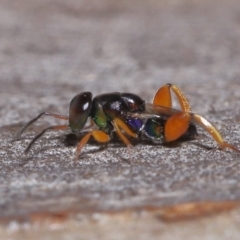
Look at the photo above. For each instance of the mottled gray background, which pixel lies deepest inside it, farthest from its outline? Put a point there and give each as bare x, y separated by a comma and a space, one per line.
52, 50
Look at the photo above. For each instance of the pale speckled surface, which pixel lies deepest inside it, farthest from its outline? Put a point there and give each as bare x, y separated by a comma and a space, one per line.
51, 50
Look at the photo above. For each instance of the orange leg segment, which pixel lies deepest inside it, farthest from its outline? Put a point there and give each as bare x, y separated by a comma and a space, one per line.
213, 132
119, 132
163, 97
124, 127
98, 135
185, 106
176, 126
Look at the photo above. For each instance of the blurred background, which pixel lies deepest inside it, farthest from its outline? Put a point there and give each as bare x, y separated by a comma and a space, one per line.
55, 49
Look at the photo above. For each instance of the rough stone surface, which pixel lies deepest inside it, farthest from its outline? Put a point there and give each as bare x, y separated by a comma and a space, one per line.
52, 50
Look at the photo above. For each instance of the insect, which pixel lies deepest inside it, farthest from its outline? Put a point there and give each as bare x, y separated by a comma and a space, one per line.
105, 117
128, 114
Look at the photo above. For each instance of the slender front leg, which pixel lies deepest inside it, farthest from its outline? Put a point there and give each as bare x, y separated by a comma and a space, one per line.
18, 134
58, 127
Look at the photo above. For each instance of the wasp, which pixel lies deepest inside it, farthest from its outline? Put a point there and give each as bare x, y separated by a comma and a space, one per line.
128, 114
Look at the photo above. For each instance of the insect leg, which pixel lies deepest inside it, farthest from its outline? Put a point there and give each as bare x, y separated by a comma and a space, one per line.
124, 127
163, 97
213, 132
98, 135
177, 124
20, 132
58, 127
185, 106
119, 132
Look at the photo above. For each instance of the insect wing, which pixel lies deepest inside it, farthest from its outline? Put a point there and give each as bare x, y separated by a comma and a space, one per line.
153, 111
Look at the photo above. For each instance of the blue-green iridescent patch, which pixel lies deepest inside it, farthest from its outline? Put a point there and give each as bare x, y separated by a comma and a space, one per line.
153, 128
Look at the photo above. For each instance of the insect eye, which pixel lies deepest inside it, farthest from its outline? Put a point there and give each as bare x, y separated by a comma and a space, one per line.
79, 110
